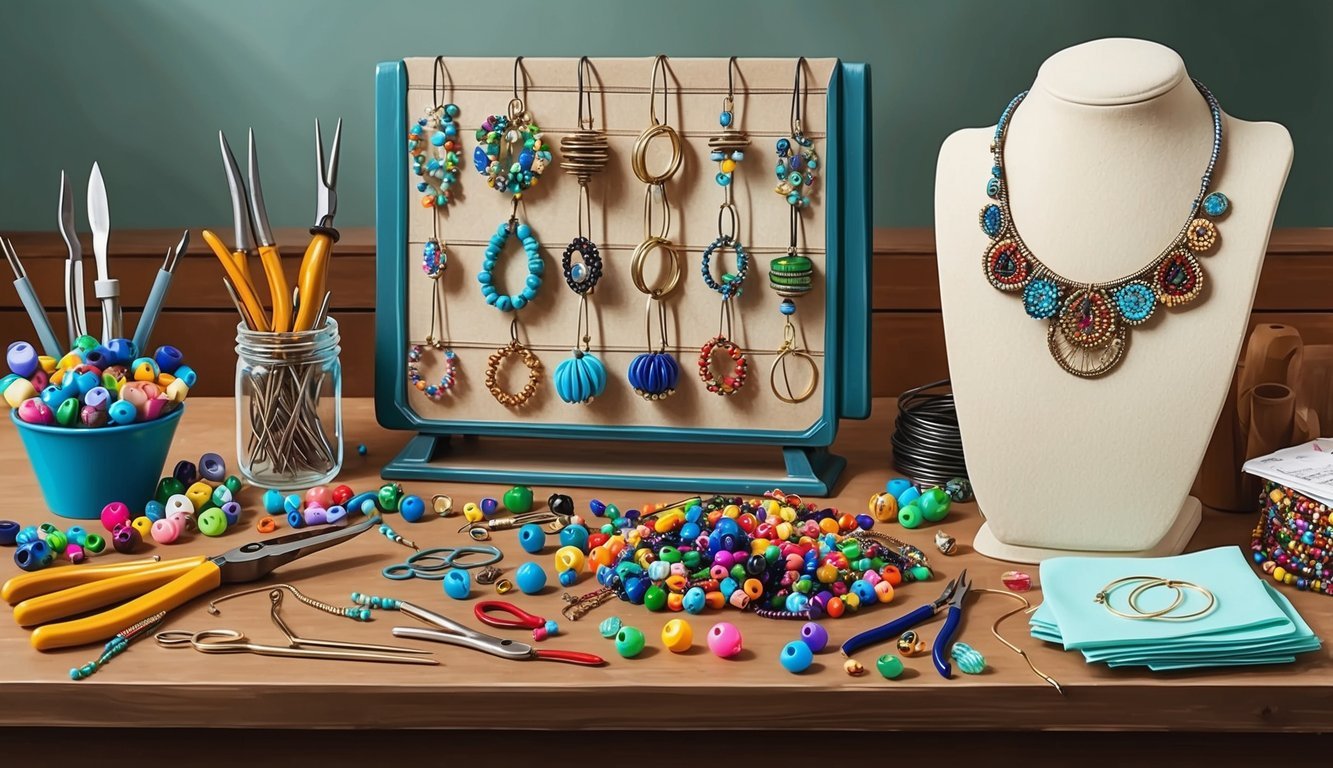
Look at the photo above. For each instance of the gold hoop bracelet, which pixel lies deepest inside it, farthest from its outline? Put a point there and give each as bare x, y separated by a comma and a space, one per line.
1175, 584
1104, 597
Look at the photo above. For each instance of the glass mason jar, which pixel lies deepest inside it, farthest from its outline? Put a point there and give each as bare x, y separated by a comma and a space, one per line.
289, 420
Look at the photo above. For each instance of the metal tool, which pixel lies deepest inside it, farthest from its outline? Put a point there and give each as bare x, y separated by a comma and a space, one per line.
143, 332
40, 322
42, 597
954, 593
105, 288
231, 641
482, 529
451, 632
76, 318
315, 264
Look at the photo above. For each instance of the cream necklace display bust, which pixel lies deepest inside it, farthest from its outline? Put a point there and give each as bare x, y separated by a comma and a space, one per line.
1102, 159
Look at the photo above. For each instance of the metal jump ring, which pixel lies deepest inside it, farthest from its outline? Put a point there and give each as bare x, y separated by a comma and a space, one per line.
781, 362
639, 160
669, 255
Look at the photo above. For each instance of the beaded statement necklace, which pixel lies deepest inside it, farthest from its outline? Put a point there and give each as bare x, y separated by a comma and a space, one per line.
1090, 322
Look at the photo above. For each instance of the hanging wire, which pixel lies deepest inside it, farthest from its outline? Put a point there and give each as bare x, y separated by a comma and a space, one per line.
1026, 607
584, 95
659, 66
797, 96
516, 105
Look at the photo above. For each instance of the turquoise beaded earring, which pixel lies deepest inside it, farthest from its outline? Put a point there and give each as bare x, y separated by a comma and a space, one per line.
512, 154
434, 146
582, 377
728, 150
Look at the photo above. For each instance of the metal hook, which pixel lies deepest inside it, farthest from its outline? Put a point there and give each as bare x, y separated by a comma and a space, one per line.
437, 82
731, 83
796, 96
518, 66
585, 64
659, 65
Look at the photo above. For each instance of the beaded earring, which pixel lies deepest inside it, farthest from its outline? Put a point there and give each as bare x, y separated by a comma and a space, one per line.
792, 275
434, 146
512, 154
582, 377
727, 150
655, 373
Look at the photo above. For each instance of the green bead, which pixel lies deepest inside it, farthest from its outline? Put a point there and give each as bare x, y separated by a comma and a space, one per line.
692, 559
738, 573
609, 627
86, 343
48, 529
851, 550
609, 529
669, 555
518, 499
655, 599
803, 586
168, 487
57, 541
389, 495
920, 573
629, 642
889, 665
612, 511
772, 554
233, 483
934, 504
212, 522
221, 495
967, 658
94, 543
864, 564
911, 516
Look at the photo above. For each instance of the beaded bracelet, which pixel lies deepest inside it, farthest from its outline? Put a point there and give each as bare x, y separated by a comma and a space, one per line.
1292, 540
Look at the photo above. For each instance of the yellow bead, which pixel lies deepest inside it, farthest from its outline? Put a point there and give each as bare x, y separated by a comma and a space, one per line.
758, 546
143, 525
783, 531
787, 513
18, 391
828, 525
199, 494
47, 363
826, 574
851, 601
644, 557
1279, 574
677, 636
1275, 495
70, 361
884, 591
569, 559
1290, 579
669, 522
472, 513
177, 391
772, 506
728, 165
884, 507
731, 511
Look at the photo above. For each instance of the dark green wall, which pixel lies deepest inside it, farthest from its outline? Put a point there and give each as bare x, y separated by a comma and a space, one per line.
143, 85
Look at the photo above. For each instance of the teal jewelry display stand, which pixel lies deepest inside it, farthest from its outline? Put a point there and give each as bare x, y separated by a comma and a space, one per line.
747, 443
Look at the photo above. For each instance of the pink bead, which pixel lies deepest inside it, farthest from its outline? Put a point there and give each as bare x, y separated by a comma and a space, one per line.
723, 559
795, 562
165, 531
319, 496
1016, 581
152, 409
75, 553
871, 577
739, 599
39, 380
724, 640
34, 411
115, 514
717, 572
678, 569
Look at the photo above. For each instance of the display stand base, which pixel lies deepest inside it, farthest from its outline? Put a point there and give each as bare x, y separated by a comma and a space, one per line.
1172, 543
696, 468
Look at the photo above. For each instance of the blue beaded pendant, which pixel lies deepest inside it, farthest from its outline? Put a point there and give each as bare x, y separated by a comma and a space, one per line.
580, 378
991, 219
654, 375
1041, 298
1216, 204
1135, 302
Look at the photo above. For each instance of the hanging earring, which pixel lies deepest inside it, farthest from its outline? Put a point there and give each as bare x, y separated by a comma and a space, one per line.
434, 147
728, 150
512, 154
582, 377
655, 374
792, 276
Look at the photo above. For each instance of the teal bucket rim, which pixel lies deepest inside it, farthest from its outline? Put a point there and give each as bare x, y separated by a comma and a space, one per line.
107, 430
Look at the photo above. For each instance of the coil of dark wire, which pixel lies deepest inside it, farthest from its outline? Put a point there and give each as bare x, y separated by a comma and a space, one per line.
927, 445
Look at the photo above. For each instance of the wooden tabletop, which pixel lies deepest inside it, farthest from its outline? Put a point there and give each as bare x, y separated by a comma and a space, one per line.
151, 686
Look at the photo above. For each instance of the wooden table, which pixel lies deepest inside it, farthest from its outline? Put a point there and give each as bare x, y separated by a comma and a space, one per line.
150, 686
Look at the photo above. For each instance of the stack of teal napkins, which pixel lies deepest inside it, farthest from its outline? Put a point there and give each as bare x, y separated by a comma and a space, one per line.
1252, 623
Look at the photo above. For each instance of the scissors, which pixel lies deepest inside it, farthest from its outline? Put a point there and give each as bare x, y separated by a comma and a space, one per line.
498, 613
953, 595
42, 597
453, 633
231, 641
292, 310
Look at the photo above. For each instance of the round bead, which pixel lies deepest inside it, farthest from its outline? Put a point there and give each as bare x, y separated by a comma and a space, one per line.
609, 627
575, 535
532, 538
458, 583
934, 504
212, 467
125, 539
518, 499
724, 640
32, 556
796, 657
896, 486
273, 502
412, 508
968, 659
232, 511
629, 642
910, 516
166, 530
530, 578
677, 636
212, 522
814, 635
489, 506
115, 515
889, 666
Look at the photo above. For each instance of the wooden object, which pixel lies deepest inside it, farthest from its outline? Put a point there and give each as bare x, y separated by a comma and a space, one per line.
151, 687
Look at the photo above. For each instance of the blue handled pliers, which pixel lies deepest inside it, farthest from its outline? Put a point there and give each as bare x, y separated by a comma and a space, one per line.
954, 593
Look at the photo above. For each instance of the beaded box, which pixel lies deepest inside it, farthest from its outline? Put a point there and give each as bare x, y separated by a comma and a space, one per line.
748, 442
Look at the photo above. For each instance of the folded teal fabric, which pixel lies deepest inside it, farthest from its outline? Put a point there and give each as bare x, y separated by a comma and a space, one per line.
1253, 623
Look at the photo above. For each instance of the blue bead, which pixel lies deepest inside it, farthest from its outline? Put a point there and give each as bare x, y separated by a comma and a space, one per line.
523, 231
597, 508
694, 601
908, 496
412, 508
9, 531
896, 486
992, 220
1216, 204
787, 307
437, 139
32, 556
723, 179
532, 538
724, 119
479, 159
295, 519
1041, 298
519, 302
575, 536
568, 578
796, 657
457, 583
531, 579
504, 303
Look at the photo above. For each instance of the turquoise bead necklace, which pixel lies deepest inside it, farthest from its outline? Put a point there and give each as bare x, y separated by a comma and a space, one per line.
512, 154
1089, 322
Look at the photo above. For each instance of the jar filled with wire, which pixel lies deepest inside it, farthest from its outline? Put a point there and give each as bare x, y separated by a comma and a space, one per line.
289, 406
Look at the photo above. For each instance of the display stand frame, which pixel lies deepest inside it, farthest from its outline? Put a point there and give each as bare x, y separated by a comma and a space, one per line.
798, 460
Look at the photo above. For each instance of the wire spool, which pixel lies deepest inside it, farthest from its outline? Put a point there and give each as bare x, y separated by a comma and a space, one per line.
584, 153
927, 444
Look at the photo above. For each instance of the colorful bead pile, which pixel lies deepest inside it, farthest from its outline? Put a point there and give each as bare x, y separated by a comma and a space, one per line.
777, 556
1293, 541
94, 385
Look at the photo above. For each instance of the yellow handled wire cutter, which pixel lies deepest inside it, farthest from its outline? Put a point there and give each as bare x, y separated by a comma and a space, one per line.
290, 312
149, 587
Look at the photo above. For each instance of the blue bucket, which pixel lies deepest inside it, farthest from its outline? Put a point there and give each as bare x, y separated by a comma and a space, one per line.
82, 470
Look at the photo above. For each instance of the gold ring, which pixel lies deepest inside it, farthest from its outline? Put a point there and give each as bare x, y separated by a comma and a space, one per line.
669, 255
443, 504
1104, 597
1175, 584
639, 160
503, 586
781, 361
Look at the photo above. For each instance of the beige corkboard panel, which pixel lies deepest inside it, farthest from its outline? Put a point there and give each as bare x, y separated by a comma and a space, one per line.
620, 98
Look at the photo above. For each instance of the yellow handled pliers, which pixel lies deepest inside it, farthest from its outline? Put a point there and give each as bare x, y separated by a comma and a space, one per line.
253, 234
150, 587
